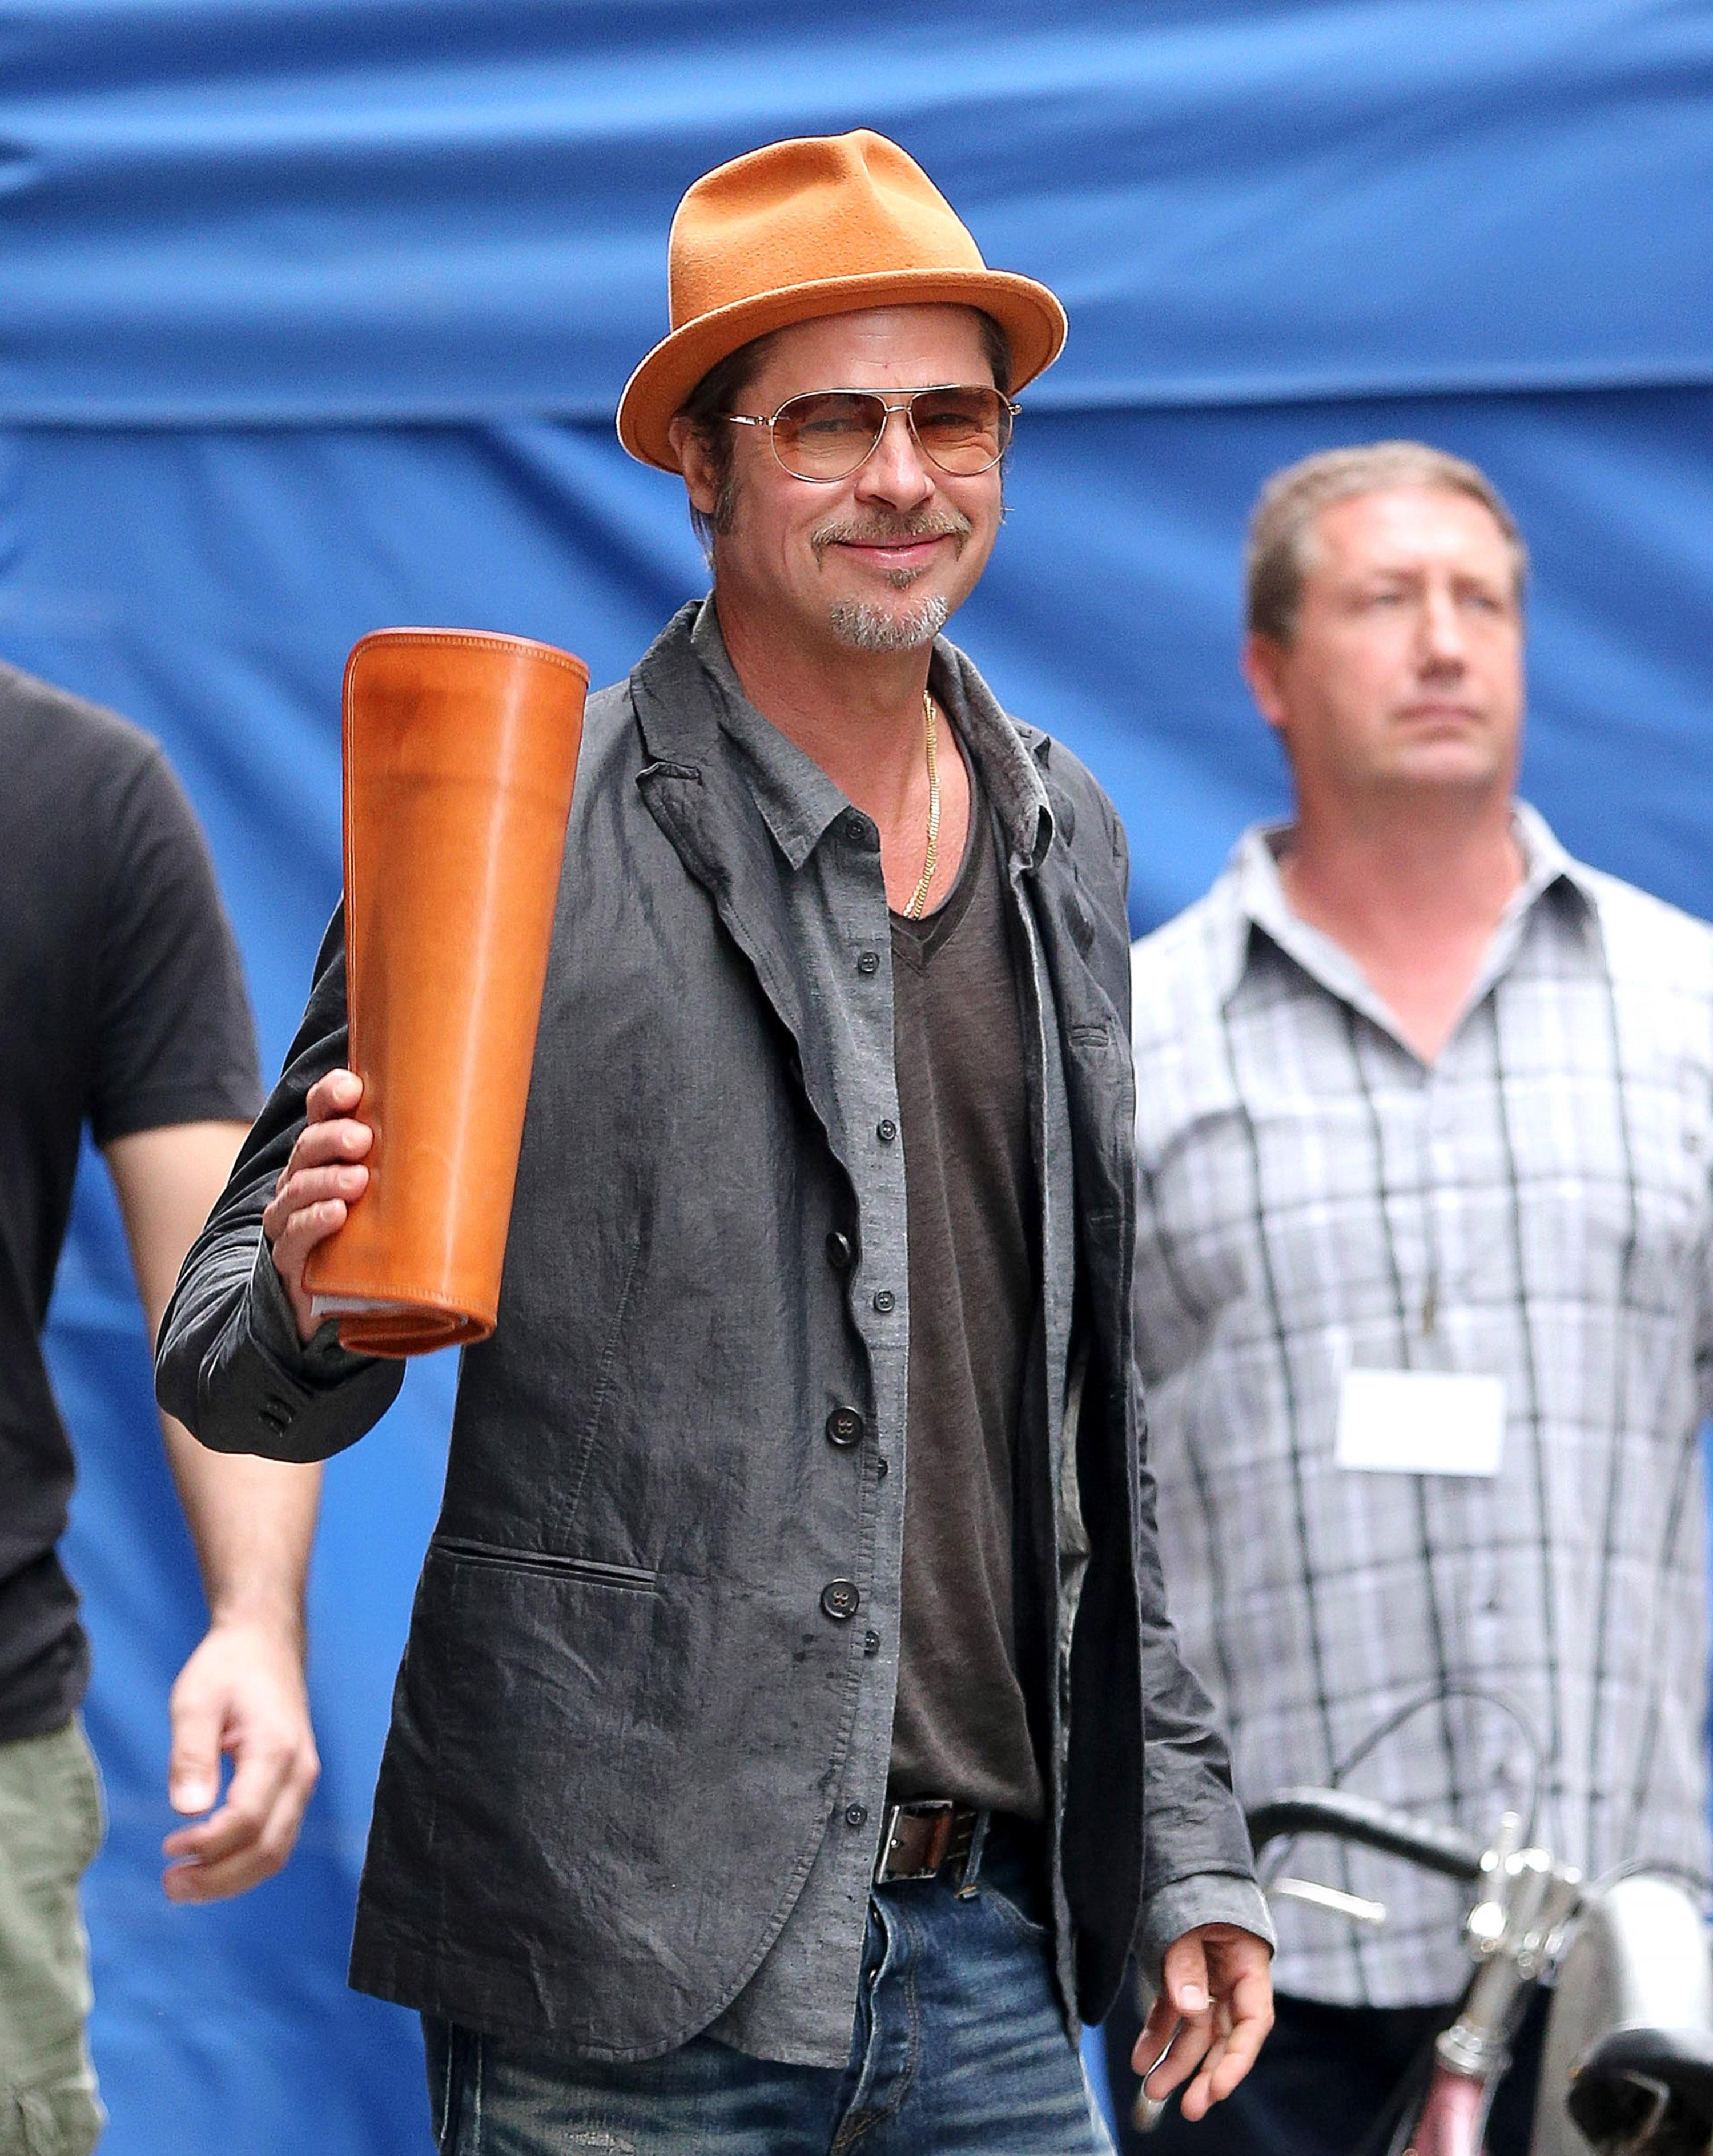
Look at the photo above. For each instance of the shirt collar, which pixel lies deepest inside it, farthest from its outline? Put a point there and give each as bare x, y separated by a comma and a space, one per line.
1252, 897
1009, 774
798, 801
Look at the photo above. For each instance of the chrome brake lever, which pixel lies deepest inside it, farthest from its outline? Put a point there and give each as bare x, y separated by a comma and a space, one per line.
1356, 1907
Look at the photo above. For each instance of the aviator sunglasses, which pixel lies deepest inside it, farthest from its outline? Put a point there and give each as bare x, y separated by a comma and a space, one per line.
826, 434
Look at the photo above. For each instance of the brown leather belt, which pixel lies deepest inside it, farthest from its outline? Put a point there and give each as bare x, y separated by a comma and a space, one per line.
925, 1834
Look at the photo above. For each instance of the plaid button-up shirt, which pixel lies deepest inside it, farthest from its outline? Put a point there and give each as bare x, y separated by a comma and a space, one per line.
1535, 1205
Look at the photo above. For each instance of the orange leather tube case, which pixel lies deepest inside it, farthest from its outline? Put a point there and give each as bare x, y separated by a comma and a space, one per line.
460, 752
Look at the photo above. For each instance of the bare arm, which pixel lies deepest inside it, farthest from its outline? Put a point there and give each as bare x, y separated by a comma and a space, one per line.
252, 1522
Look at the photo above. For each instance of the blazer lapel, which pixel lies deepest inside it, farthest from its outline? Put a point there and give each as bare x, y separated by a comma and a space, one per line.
1094, 1034
695, 793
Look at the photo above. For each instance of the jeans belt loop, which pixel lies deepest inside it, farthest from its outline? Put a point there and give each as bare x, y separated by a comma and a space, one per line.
967, 1887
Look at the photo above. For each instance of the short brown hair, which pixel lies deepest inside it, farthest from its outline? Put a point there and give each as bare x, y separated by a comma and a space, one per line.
1280, 523
725, 382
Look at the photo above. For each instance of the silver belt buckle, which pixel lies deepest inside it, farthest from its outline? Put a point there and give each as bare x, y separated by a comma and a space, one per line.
942, 1843
940, 1810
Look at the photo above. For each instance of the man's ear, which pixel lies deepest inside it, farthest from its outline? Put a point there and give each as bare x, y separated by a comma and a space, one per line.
1264, 660
691, 449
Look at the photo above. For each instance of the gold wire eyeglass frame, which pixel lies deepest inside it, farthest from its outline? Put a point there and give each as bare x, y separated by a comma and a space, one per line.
906, 404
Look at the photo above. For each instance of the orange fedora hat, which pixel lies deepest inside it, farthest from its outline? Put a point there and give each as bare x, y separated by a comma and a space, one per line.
822, 225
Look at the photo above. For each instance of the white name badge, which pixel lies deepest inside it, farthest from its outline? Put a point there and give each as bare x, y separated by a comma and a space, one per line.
1421, 1422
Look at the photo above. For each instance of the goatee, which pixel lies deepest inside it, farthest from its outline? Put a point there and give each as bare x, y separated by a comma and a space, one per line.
865, 627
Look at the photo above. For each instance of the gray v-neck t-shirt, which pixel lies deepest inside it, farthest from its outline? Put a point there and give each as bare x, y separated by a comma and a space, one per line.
961, 1726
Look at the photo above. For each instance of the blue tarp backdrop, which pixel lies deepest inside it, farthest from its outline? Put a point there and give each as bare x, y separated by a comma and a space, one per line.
312, 318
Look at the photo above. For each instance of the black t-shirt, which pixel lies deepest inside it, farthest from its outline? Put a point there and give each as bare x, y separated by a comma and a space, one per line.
960, 1726
121, 1004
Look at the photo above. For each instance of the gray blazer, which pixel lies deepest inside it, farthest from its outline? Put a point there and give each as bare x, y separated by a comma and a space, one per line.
621, 1731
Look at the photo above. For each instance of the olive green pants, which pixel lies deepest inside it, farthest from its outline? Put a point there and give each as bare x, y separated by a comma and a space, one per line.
51, 1827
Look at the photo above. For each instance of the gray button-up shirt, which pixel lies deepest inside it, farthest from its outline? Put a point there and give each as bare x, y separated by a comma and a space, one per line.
1534, 1206
838, 912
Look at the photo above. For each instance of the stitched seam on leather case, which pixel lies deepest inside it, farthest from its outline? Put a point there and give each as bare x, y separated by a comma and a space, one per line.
441, 640
351, 982
435, 1299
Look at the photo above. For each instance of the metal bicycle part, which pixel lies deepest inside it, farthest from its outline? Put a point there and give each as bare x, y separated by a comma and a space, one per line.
1631, 2035
1357, 1907
1351, 1817
1627, 2064
1513, 1934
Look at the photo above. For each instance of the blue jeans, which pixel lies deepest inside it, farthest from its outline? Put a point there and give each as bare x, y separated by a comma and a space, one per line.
960, 2048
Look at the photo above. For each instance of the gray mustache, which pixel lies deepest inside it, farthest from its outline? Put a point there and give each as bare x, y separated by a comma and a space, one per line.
867, 530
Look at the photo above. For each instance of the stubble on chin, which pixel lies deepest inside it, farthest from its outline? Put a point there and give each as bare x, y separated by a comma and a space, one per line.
860, 625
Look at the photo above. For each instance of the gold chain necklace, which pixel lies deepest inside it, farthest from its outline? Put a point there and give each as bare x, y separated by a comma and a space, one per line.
919, 896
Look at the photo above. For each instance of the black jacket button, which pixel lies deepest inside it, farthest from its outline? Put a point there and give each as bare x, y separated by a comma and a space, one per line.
886, 1129
868, 962
884, 1299
840, 1599
839, 1252
844, 1427
856, 1814
871, 1644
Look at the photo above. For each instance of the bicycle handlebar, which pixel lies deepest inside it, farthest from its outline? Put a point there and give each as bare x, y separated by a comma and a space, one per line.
1350, 1818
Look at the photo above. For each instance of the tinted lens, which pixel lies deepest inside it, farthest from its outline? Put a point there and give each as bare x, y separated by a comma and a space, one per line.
828, 433
963, 430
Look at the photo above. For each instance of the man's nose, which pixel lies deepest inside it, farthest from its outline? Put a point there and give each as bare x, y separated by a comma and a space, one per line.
897, 472
1441, 628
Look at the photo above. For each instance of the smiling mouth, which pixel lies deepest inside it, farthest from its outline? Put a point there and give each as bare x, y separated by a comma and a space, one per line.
890, 550
900, 551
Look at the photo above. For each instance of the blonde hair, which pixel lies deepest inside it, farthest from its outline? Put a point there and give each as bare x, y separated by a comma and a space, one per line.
1276, 561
